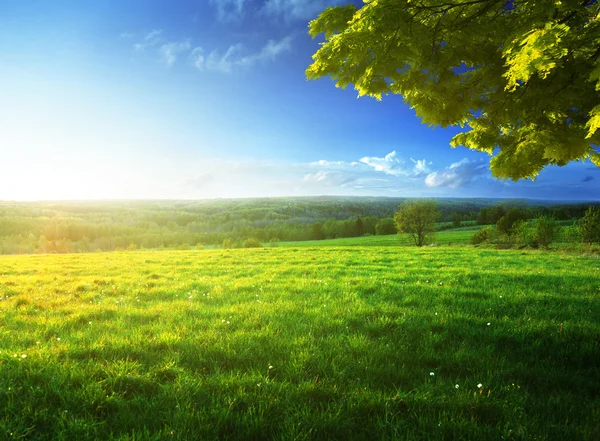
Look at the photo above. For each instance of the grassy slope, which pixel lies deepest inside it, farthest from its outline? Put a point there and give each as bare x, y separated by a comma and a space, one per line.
457, 236
179, 345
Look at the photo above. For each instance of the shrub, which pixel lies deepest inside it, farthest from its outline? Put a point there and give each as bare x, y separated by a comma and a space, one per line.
570, 234
544, 231
227, 243
589, 226
252, 242
484, 235
506, 223
521, 233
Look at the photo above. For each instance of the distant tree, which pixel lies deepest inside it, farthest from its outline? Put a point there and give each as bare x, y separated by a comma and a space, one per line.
521, 233
386, 226
317, 231
456, 221
589, 225
506, 223
252, 242
360, 228
544, 231
483, 235
416, 218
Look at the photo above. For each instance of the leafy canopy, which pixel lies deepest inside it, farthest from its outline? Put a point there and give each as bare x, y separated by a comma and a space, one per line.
416, 218
523, 76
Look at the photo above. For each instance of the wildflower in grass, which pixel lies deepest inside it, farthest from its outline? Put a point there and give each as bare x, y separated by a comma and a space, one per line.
489, 324
456, 386
270, 367
480, 385
23, 356
431, 374
57, 338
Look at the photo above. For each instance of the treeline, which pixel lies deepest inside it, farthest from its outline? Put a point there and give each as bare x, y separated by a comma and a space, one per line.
62, 227
513, 228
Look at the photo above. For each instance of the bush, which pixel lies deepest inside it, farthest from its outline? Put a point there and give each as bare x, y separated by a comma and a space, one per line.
506, 223
227, 243
484, 235
521, 233
570, 234
589, 226
544, 231
252, 242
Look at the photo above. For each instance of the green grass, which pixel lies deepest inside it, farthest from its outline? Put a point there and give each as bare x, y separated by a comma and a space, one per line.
301, 343
457, 236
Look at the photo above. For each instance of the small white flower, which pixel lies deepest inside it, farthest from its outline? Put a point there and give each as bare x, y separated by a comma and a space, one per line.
222, 321
456, 386
270, 367
23, 356
89, 323
489, 324
228, 322
57, 338
431, 374
480, 385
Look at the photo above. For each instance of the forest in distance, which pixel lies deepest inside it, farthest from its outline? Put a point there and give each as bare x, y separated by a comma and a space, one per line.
87, 226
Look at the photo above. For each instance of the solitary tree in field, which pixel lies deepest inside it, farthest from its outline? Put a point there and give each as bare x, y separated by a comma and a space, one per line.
416, 218
524, 76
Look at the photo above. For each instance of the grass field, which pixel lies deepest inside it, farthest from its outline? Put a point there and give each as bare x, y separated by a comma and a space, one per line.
311, 343
457, 236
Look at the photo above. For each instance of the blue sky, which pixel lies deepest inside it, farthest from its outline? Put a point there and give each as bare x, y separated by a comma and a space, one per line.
208, 98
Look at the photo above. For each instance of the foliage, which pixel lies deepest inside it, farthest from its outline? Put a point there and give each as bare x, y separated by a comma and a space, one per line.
545, 230
507, 222
524, 76
483, 235
416, 218
589, 226
386, 226
252, 242
521, 233
82, 227
278, 344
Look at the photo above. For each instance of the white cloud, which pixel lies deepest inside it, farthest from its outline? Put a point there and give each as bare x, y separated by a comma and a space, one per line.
233, 57
330, 178
296, 9
459, 174
170, 51
421, 166
391, 164
221, 63
153, 38
269, 52
229, 10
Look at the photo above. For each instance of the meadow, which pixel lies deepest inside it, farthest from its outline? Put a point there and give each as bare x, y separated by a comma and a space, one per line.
305, 343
